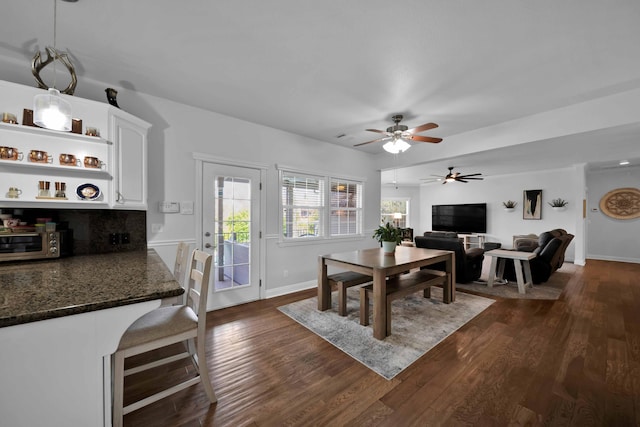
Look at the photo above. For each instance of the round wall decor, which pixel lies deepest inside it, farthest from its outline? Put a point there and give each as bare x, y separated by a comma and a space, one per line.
622, 203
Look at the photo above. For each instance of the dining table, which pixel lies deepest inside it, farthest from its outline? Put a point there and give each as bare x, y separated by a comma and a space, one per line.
380, 265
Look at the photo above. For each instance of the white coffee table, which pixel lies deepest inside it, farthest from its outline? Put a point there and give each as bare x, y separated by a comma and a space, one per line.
520, 259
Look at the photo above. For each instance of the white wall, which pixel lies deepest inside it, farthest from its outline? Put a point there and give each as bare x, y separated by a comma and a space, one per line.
610, 238
502, 225
180, 130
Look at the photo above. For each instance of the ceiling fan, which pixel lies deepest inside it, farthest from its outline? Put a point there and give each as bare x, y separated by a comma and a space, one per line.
451, 176
397, 134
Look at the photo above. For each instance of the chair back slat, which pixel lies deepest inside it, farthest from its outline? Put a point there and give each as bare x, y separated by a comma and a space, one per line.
198, 286
194, 298
181, 265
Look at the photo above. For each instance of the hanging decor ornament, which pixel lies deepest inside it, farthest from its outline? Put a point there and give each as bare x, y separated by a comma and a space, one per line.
37, 64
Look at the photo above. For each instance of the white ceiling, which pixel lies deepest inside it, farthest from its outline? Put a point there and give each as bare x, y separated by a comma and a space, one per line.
327, 68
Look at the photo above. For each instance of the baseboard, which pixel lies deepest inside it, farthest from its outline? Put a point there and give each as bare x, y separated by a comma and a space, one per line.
610, 258
296, 287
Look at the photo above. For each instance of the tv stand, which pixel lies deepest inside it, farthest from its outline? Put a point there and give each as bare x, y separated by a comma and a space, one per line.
472, 240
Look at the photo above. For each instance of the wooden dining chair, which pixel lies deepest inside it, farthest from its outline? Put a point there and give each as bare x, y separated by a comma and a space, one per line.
165, 326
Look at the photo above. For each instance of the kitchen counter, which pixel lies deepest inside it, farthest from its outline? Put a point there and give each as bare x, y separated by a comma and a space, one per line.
61, 322
39, 290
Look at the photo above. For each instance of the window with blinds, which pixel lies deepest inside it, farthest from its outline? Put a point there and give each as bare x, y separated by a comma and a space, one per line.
345, 202
302, 205
304, 202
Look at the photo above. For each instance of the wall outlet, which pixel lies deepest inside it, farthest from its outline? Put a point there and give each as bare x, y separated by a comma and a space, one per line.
157, 228
285, 273
114, 238
125, 238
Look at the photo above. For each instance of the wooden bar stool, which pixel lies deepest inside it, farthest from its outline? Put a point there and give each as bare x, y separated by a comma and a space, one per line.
165, 326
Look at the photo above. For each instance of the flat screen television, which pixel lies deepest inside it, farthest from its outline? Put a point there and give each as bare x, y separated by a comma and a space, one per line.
466, 218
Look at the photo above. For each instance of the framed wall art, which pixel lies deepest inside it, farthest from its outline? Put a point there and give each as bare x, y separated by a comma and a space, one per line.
532, 204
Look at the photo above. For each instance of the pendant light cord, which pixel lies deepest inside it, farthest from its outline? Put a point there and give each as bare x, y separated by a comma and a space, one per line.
55, 49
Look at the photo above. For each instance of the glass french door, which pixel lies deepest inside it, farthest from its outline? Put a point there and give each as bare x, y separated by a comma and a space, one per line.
230, 227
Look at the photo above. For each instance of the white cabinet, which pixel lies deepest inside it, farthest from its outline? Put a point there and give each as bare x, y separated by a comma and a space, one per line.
121, 154
130, 161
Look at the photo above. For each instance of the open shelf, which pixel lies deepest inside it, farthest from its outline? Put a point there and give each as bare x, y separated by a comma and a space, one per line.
53, 133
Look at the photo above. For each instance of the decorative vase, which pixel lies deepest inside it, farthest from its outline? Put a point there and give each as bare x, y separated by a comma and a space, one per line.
559, 208
388, 247
509, 209
111, 96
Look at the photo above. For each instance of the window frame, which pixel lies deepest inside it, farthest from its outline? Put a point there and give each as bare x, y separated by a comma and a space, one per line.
407, 215
326, 209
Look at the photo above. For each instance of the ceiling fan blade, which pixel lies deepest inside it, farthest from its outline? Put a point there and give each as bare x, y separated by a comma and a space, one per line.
461, 180
425, 139
466, 177
375, 140
379, 131
423, 127
471, 174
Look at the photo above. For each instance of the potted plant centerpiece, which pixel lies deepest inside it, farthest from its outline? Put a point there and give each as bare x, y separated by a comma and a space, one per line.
389, 236
558, 204
509, 205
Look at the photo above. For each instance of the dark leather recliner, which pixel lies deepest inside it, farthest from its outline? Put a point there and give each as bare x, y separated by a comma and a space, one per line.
550, 256
468, 262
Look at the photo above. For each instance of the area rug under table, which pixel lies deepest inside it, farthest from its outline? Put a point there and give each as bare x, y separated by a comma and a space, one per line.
417, 325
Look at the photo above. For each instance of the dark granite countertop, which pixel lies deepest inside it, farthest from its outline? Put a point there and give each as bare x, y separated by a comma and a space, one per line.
38, 290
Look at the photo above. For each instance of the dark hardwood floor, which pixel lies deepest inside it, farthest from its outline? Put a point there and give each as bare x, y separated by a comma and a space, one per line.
574, 361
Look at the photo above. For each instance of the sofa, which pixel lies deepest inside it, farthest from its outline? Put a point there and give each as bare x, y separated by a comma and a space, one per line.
468, 262
550, 249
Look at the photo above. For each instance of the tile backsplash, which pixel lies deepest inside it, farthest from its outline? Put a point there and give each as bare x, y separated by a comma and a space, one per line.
95, 231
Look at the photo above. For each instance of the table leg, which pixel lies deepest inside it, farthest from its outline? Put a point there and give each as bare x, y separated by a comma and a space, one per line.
519, 278
379, 304
492, 271
449, 291
324, 291
527, 273
501, 263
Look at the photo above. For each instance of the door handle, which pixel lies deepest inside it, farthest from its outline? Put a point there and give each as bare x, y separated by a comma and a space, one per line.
207, 245
207, 234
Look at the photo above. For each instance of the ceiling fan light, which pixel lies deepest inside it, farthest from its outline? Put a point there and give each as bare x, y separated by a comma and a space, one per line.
390, 147
396, 146
50, 111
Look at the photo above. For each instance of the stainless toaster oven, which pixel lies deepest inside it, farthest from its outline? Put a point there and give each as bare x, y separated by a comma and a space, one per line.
28, 245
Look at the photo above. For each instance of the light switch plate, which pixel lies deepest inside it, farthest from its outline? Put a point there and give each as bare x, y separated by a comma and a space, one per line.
186, 208
169, 207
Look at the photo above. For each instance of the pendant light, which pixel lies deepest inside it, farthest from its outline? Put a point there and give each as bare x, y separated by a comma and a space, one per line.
50, 111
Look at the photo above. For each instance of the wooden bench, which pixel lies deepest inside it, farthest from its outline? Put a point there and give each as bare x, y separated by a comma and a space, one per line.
343, 281
401, 286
